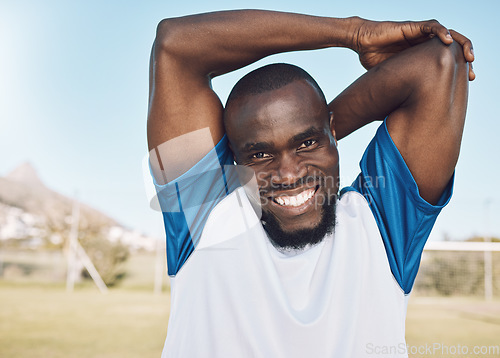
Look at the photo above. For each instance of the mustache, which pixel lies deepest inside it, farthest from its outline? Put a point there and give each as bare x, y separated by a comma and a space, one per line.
304, 181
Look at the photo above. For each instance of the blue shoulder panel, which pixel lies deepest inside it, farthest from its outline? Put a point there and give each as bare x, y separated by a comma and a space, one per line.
404, 218
187, 201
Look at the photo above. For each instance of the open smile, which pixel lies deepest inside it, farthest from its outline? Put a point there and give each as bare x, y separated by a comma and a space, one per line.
297, 203
296, 200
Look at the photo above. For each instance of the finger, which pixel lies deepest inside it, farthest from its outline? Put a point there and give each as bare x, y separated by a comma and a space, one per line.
466, 45
472, 74
433, 27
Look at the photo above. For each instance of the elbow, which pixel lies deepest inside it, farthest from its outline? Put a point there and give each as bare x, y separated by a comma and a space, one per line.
447, 60
165, 42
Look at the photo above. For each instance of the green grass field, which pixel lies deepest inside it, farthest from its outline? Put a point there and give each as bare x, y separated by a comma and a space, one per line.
439, 326
46, 321
38, 318
49, 322
43, 320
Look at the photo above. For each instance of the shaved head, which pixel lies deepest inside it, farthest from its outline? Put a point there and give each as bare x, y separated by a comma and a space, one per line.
269, 78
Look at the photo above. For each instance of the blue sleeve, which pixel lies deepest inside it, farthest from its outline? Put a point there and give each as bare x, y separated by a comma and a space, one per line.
404, 218
187, 201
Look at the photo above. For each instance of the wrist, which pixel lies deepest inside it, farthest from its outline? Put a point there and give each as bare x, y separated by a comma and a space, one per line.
350, 38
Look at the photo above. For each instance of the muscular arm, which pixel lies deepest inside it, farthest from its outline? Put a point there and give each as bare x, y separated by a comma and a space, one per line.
189, 51
423, 91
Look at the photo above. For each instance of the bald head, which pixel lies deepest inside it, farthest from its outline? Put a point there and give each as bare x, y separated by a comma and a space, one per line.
266, 79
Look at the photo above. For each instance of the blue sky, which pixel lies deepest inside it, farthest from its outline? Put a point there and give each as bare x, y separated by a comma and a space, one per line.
74, 87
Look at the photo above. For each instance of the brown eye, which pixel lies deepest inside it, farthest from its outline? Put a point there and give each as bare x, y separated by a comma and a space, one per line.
307, 143
260, 155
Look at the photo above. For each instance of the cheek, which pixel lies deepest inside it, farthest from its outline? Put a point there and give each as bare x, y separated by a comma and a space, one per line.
328, 161
263, 179
334, 157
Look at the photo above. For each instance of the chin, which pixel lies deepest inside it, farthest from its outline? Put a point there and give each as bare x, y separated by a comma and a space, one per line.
300, 223
301, 233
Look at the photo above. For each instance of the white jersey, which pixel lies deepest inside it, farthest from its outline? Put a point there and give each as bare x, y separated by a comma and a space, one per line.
233, 294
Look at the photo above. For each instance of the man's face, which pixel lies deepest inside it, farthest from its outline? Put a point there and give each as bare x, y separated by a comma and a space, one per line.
285, 136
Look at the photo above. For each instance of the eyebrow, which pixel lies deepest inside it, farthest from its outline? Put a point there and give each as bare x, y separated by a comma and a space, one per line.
258, 146
308, 133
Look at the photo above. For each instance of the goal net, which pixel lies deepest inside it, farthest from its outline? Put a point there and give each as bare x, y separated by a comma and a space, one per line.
459, 268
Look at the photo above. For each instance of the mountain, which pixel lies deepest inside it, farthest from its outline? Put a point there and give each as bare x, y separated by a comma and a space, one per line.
30, 210
26, 174
23, 188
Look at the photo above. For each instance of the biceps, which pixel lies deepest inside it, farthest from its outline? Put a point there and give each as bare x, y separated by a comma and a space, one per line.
428, 129
184, 119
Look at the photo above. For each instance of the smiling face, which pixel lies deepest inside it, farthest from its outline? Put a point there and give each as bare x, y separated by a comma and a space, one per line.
285, 136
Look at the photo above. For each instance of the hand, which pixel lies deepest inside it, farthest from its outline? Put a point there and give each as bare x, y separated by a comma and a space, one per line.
468, 51
377, 41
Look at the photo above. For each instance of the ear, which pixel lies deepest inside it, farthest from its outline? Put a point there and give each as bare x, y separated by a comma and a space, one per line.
231, 148
332, 128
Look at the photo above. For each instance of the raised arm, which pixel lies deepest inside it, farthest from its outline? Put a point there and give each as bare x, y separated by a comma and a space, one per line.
185, 115
423, 91
189, 51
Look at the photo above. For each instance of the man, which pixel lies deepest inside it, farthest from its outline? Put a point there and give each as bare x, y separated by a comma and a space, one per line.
276, 263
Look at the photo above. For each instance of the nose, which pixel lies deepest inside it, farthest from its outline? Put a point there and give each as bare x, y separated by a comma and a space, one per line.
289, 170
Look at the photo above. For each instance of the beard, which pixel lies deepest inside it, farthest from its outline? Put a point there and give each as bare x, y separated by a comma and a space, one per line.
299, 239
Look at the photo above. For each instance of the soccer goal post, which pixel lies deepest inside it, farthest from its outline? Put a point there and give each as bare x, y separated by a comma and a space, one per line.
460, 268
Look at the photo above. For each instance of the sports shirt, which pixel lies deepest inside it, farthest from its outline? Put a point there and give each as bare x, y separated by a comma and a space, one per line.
233, 294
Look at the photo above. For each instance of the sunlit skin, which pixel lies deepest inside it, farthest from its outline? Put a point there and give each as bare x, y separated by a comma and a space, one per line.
286, 136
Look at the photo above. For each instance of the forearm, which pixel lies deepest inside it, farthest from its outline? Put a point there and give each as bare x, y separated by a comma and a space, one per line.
423, 92
219, 42
399, 82
370, 98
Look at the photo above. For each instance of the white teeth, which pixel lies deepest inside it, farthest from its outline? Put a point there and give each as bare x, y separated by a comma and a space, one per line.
296, 200
300, 200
